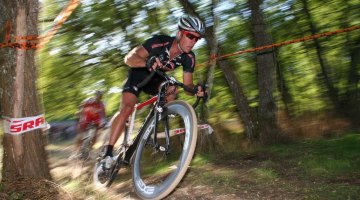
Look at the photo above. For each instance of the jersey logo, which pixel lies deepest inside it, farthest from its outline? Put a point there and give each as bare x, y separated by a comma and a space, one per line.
159, 45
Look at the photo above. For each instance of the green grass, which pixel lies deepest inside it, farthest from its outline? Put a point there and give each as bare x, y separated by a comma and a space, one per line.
311, 169
323, 158
201, 159
264, 174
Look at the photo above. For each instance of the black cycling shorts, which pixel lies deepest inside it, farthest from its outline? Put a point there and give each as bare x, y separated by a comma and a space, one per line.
136, 76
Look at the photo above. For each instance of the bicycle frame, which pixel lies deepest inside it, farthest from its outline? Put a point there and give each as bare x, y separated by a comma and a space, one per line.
159, 101
131, 146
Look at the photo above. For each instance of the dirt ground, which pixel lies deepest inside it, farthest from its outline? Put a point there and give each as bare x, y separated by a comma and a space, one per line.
73, 181
65, 171
228, 178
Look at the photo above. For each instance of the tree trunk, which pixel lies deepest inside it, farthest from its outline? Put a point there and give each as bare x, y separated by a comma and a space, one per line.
283, 88
351, 102
247, 116
332, 91
265, 63
24, 155
353, 92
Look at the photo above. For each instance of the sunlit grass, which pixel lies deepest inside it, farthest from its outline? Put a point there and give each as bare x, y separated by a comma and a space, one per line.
333, 192
313, 169
223, 179
157, 169
264, 174
73, 185
201, 159
323, 158
83, 188
325, 166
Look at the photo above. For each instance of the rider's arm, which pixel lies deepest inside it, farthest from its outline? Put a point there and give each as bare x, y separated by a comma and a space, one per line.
188, 81
137, 57
188, 67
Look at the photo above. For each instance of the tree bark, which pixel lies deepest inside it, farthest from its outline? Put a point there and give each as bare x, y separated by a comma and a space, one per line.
265, 63
24, 155
332, 91
351, 101
246, 114
283, 88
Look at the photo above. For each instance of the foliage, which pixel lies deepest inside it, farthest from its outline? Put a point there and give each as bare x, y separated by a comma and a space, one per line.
88, 51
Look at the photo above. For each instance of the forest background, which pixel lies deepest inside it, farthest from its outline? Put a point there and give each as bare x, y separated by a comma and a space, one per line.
314, 78
308, 88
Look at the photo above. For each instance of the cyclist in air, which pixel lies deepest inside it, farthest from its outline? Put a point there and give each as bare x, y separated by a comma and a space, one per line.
91, 112
160, 51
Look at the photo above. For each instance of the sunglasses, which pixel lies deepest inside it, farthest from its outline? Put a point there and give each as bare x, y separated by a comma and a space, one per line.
191, 36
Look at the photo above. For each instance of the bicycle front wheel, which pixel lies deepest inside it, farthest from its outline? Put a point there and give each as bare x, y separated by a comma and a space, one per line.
157, 170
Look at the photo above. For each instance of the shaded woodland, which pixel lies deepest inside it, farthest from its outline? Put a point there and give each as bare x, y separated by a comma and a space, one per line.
301, 89
298, 80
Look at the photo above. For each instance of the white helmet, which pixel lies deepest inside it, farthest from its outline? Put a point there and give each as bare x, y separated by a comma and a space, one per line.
99, 93
191, 23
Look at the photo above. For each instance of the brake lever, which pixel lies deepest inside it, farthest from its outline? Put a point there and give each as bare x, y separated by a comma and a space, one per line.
204, 98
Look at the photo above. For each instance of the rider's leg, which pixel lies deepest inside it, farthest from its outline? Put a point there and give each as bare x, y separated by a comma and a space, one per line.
93, 141
79, 136
127, 105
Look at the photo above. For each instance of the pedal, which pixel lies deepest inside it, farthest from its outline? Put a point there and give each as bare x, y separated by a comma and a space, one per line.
161, 148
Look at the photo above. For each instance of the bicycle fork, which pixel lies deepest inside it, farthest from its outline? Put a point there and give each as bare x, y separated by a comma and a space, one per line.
158, 117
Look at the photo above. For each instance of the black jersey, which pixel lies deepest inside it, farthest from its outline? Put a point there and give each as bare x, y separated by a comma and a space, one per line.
159, 45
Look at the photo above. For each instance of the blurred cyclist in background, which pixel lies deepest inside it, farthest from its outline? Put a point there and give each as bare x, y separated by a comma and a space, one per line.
91, 113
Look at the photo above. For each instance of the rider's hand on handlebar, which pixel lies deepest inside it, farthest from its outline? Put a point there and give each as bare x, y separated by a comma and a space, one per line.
200, 90
152, 63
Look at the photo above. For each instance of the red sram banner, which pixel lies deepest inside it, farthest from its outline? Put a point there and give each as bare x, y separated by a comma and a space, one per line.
18, 126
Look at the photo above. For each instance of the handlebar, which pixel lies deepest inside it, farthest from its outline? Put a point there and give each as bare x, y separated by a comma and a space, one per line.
173, 80
146, 80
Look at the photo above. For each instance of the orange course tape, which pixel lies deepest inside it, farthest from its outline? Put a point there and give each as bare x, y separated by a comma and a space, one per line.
60, 19
214, 58
33, 41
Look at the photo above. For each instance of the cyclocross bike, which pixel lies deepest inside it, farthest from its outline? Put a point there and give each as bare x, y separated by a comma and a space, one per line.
86, 143
87, 140
163, 148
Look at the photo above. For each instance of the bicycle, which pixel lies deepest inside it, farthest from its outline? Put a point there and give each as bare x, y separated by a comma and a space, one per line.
159, 160
82, 155
87, 141
85, 147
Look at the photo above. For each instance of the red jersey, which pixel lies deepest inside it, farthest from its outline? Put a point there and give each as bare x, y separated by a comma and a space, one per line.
92, 112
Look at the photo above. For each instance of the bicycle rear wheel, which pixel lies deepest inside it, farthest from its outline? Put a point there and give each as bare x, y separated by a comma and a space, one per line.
156, 172
86, 144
